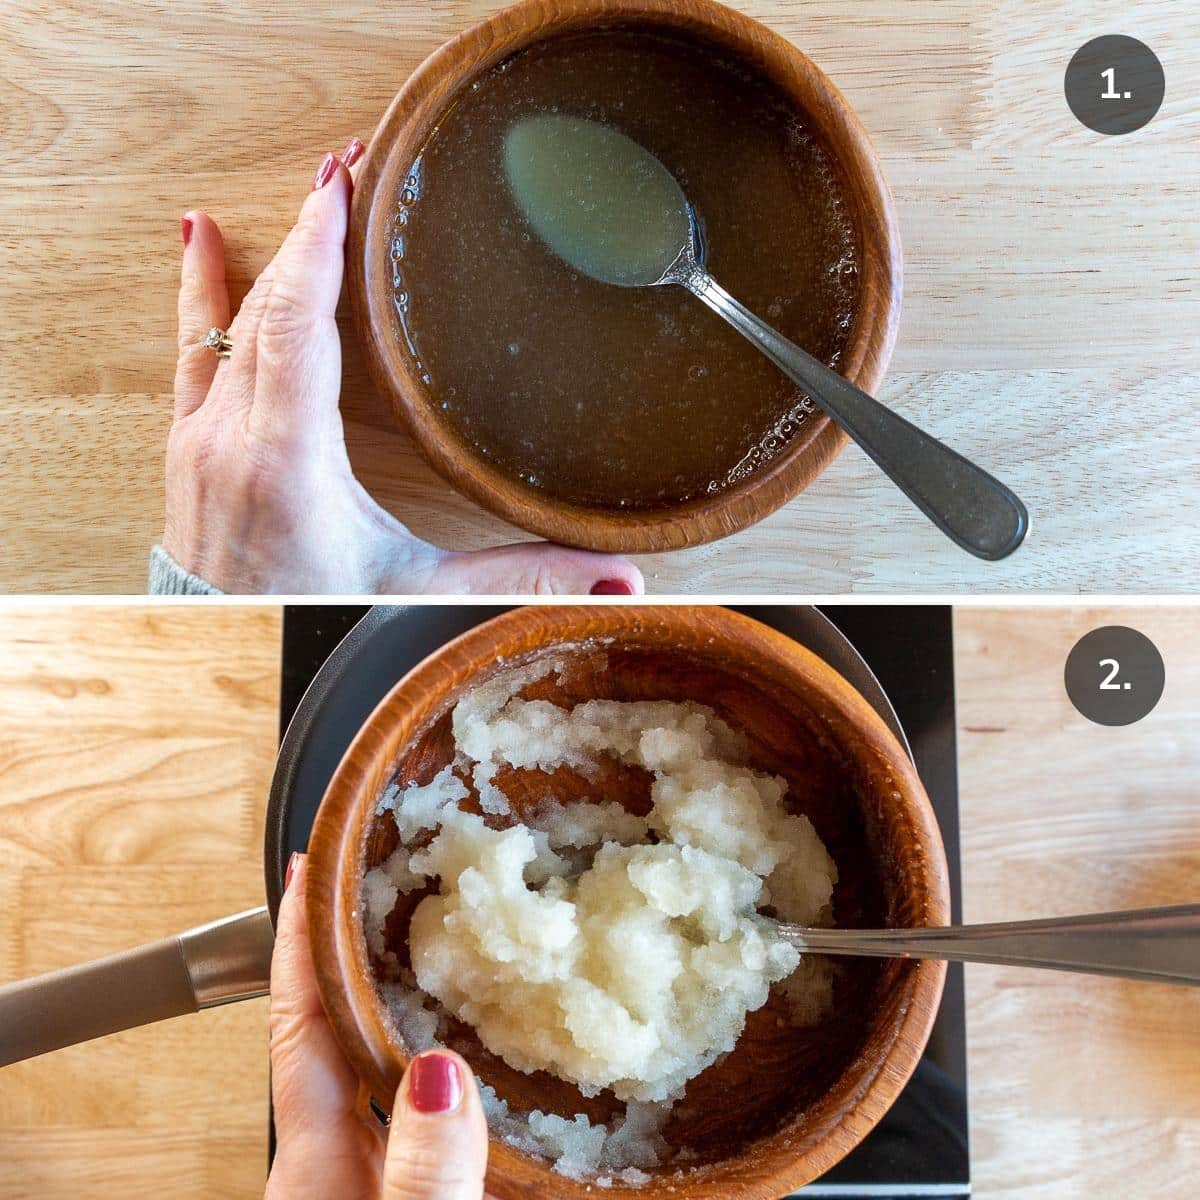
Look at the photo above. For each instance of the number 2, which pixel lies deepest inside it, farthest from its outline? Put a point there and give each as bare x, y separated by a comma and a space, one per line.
1108, 683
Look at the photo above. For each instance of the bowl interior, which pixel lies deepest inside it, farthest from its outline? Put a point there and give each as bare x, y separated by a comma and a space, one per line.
435, 87
777, 1094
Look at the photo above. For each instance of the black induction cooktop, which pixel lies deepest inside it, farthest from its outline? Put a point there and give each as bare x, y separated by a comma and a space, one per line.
919, 1149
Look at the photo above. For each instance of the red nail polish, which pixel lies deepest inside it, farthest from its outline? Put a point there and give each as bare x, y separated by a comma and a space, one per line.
185, 228
434, 1083
291, 869
352, 153
325, 171
612, 587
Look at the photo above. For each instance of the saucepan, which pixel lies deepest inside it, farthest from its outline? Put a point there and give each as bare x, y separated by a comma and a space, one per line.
229, 958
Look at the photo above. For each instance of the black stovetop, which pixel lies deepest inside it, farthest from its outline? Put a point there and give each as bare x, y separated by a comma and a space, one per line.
919, 1149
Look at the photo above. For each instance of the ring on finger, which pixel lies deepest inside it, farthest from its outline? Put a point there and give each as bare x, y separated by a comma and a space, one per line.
218, 340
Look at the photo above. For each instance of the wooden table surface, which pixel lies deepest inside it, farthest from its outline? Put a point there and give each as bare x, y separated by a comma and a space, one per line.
1050, 321
135, 757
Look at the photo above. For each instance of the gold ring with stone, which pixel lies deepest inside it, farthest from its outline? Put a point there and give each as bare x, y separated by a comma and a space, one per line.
218, 340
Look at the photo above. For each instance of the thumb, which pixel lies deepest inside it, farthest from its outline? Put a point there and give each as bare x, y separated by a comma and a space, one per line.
437, 1142
536, 569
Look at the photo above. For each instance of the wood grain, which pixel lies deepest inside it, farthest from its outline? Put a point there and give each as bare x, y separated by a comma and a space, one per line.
1051, 279
1078, 1086
1098, 1095
136, 748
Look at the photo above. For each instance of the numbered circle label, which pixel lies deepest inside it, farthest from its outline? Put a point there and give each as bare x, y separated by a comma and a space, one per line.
1114, 675
1115, 84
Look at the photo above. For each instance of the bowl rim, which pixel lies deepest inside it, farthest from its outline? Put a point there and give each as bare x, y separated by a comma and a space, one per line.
338, 837
407, 121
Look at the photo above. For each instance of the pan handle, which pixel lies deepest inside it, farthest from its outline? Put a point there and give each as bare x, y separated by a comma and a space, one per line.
212, 964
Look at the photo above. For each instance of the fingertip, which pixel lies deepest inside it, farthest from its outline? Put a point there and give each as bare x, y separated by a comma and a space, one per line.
291, 905
535, 568
619, 578
293, 978
203, 303
325, 171
437, 1082
352, 153
609, 575
353, 158
329, 199
203, 244
438, 1139
295, 867
200, 225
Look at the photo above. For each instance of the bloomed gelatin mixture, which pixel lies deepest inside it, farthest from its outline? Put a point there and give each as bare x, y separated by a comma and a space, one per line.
612, 397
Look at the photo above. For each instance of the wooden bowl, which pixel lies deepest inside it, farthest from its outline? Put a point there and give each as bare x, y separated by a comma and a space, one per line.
402, 133
788, 1102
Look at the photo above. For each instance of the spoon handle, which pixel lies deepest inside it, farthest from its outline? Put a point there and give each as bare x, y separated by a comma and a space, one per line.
1160, 944
961, 499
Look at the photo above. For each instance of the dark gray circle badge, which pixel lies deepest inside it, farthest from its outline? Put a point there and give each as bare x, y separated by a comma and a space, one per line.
1114, 675
1115, 84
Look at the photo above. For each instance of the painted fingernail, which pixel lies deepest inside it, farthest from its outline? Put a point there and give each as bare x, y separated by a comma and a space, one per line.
352, 153
325, 172
434, 1083
291, 869
185, 228
612, 587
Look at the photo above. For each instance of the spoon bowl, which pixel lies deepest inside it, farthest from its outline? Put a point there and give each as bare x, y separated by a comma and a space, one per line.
599, 200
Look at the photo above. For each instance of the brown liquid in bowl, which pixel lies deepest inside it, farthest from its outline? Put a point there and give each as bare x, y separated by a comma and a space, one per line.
610, 397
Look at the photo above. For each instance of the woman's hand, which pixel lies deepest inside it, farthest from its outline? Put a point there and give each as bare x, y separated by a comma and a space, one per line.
260, 494
436, 1145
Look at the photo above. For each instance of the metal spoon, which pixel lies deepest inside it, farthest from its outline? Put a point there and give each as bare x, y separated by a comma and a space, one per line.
613, 211
1160, 944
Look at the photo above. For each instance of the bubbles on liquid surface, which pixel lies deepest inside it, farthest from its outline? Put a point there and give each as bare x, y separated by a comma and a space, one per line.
845, 266
770, 444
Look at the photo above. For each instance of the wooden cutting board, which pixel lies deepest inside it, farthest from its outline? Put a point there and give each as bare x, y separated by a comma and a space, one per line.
135, 757
1050, 326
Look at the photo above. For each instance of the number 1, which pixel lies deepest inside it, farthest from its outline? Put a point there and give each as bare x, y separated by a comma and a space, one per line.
1109, 75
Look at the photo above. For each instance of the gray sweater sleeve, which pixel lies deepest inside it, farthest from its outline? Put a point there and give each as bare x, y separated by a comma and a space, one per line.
168, 578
